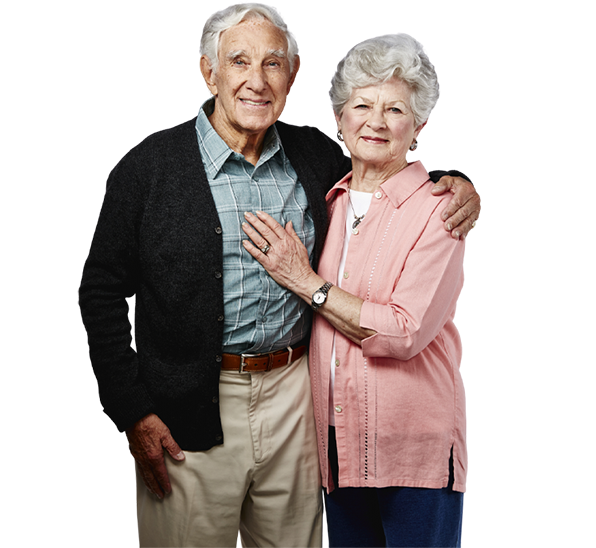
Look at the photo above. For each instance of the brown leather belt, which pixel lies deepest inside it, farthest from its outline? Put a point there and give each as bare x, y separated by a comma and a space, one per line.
250, 363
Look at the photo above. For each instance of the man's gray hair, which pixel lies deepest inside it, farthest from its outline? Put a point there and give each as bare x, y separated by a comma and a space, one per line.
379, 59
230, 17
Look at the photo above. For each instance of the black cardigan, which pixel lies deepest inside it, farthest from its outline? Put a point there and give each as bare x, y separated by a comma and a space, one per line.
159, 237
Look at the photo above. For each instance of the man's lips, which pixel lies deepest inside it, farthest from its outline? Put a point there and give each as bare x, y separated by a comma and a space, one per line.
253, 103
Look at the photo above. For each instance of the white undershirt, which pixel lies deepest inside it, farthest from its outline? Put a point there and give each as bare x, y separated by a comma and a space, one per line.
361, 202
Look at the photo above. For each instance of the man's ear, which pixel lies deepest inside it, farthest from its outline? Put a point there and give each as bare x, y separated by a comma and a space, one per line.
208, 74
294, 72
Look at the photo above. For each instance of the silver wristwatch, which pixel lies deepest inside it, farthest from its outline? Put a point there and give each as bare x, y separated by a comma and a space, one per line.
320, 295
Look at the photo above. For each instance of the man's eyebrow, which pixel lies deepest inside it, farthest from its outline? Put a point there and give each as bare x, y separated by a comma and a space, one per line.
280, 53
277, 53
234, 54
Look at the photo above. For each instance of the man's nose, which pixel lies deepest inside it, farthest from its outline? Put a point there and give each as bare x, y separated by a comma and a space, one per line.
257, 79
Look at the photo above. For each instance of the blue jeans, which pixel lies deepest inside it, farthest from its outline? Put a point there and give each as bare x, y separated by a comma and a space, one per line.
392, 516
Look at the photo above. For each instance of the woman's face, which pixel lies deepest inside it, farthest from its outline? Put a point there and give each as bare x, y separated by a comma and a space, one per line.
378, 125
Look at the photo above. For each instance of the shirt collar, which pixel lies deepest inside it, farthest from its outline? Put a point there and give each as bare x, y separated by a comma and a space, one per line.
397, 188
216, 152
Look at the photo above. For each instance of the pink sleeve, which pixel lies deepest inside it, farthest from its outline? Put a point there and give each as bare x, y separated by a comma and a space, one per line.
423, 299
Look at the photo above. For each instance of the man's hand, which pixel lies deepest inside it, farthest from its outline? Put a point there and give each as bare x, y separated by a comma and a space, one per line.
147, 440
461, 214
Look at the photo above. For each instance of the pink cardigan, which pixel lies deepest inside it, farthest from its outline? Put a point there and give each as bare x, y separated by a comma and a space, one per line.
399, 399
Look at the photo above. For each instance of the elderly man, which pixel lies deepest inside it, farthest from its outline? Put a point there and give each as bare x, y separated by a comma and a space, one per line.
220, 368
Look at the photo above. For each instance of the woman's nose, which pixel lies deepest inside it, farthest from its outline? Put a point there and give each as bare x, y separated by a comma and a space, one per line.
376, 119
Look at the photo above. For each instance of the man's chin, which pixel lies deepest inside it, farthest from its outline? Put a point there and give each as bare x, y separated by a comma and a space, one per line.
257, 124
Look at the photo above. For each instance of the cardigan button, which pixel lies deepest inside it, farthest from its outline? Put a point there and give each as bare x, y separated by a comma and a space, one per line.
338, 409
218, 438
218, 358
220, 318
218, 230
218, 275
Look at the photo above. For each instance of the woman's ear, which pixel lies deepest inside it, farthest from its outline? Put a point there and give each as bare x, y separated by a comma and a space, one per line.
419, 129
337, 120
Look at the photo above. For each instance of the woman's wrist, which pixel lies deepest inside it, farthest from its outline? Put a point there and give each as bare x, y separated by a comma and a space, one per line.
309, 286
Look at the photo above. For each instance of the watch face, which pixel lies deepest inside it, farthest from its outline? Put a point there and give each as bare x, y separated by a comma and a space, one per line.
319, 297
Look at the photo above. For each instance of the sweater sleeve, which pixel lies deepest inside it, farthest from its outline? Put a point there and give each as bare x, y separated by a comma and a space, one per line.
110, 275
340, 163
436, 175
423, 299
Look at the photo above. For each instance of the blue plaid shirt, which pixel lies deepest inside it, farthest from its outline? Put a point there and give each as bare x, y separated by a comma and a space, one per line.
260, 315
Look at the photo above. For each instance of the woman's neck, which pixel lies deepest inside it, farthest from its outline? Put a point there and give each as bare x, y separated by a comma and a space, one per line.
367, 177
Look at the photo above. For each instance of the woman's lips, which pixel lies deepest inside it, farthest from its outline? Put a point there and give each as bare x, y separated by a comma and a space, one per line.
373, 140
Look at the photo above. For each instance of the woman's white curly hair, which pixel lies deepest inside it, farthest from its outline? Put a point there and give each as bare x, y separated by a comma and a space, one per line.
379, 59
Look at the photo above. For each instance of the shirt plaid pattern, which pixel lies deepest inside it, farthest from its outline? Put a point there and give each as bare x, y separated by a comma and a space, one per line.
259, 315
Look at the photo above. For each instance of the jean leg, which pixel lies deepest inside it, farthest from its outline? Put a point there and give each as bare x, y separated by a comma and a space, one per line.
353, 517
416, 517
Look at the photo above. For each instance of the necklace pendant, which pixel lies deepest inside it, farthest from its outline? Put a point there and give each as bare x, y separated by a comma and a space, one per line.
357, 222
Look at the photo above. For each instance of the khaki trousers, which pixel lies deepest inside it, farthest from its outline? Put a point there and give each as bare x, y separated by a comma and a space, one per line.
263, 481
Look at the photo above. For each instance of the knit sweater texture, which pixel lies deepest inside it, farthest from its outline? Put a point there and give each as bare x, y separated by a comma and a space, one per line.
159, 238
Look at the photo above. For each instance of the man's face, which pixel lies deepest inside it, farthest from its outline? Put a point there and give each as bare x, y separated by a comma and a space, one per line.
252, 80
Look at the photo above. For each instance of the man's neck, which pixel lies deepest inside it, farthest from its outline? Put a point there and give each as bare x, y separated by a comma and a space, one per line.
250, 145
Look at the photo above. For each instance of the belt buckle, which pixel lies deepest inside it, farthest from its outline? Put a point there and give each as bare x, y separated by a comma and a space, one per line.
242, 363
248, 355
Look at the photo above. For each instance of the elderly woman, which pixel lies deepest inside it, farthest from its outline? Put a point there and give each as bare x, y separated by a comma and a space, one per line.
385, 353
